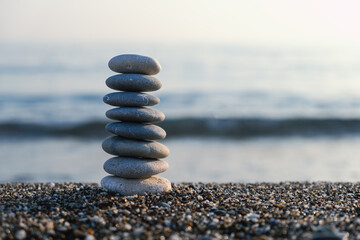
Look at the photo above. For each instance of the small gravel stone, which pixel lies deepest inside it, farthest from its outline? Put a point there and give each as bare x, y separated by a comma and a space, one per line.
20, 234
163, 204
127, 227
49, 225
327, 233
89, 237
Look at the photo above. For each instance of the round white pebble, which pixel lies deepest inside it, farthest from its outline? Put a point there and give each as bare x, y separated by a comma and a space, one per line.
128, 187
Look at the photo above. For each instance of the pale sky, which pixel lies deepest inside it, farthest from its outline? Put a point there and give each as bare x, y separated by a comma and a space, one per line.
264, 22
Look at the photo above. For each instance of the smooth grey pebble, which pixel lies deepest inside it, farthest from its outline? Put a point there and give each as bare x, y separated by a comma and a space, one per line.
130, 99
129, 187
124, 147
133, 63
135, 114
136, 130
134, 167
133, 83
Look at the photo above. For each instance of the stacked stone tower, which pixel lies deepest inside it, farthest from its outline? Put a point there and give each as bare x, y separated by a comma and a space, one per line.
137, 154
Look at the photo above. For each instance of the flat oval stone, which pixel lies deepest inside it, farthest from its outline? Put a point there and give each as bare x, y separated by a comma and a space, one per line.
133, 83
132, 63
128, 187
130, 99
134, 114
135, 167
136, 130
134, 148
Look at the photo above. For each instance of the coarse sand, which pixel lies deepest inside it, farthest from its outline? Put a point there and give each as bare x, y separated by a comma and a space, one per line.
288, 210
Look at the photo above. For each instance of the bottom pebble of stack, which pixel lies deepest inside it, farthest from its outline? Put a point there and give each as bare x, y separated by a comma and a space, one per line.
128, 187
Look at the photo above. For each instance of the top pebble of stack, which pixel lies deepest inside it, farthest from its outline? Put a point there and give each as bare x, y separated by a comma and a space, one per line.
132, 63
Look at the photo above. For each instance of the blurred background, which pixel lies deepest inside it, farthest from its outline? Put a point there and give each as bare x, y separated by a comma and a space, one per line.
253, 90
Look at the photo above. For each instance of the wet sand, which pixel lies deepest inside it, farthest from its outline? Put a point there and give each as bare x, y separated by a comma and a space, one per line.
225, 160
289, 210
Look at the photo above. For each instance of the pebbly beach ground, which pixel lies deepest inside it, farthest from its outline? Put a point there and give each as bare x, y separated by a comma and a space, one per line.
289, 210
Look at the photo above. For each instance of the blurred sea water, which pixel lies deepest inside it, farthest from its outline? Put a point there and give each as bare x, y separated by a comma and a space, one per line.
262, 114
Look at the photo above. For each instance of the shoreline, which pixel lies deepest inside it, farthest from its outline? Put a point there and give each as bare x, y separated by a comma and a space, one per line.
190, 211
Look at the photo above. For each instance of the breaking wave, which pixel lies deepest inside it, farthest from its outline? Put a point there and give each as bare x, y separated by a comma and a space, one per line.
197, 127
